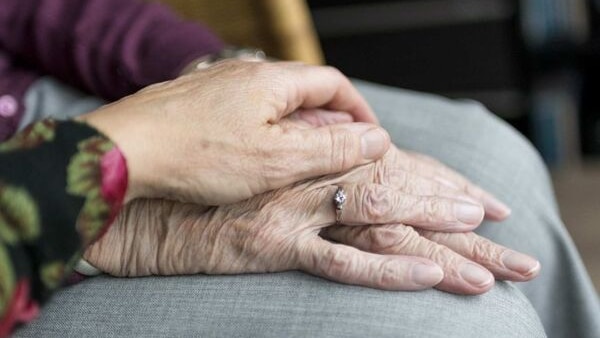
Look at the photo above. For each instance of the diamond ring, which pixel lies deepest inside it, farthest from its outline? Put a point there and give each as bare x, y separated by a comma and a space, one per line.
338, 200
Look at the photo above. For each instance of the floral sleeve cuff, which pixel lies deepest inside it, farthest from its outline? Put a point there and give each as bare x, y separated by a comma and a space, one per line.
53, 175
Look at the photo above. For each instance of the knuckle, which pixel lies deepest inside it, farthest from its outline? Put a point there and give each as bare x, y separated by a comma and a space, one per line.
435, 210
396, 177
443, 257
277, 92
376, 203
274, 169
483, 252
388, 274
391, 239
381, 173
440, 190
344, 150
337, 263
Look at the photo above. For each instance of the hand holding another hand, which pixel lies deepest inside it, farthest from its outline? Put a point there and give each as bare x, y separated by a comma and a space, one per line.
211, 137
406, 224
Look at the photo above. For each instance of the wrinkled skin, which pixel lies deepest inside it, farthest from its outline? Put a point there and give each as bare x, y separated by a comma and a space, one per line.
284, 230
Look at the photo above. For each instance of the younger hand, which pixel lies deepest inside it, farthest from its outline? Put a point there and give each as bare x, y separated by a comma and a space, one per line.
212, 136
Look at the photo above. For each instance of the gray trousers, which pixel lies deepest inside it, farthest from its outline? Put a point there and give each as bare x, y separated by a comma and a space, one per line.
561, 302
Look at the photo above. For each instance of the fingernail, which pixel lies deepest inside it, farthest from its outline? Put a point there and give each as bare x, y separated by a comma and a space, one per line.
475, 275
469, 213
520, 263
496, 208
426, 274
374, 143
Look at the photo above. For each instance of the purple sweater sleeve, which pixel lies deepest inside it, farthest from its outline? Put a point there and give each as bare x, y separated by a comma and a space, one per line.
108, 47
14, 82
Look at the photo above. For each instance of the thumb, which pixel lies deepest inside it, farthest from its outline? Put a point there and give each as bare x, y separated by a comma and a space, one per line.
336, 148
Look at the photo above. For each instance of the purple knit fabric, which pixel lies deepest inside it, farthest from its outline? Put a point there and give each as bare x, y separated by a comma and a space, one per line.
14, 82
111, 48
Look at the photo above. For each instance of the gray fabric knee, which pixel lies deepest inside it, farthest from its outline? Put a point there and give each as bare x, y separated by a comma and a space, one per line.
50, 98
468, 138
288, 304
461, 133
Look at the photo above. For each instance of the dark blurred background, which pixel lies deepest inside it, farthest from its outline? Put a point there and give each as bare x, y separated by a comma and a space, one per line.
534, 63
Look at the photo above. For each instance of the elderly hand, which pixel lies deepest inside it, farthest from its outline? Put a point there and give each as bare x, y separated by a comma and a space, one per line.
211, 137
469, 261
413, 171
279, 231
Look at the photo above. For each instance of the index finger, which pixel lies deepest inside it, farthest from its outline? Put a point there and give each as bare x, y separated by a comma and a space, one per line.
323, 87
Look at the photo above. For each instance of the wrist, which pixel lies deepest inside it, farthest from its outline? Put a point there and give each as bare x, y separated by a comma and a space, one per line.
247, 54
136, 242
119, 166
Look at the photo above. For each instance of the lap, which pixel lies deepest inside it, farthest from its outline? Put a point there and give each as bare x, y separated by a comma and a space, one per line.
290, 304
461, 134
